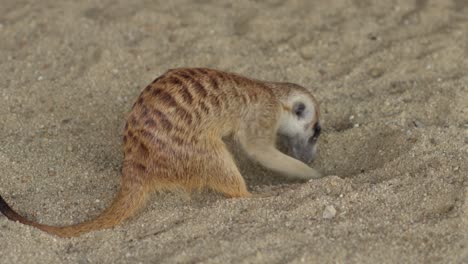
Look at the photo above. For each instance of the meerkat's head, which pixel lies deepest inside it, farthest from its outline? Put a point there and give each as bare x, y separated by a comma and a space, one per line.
299, 122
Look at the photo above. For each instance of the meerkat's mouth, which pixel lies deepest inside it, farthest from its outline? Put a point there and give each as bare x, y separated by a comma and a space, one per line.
303, 150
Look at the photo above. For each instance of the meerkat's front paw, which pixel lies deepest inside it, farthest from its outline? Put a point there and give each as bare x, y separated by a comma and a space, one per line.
315, 174
304, 172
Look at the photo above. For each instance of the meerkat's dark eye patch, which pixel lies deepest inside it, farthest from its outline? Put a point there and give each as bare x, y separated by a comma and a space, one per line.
298, 109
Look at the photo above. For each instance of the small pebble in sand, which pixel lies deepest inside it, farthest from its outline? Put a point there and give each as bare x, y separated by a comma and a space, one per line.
51, 172
308, 52
372, 36
329, 212
417, 123
40, 78
66, 120
376, 72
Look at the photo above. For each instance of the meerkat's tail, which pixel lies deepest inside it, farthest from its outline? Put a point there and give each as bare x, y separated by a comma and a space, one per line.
127, 202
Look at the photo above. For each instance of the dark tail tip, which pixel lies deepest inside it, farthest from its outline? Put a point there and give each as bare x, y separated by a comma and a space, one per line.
4, 207
6, 210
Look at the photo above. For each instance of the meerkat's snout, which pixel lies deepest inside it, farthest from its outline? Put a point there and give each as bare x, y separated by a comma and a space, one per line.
305, 148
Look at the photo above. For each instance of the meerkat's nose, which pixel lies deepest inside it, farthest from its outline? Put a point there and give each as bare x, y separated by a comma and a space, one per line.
317, 129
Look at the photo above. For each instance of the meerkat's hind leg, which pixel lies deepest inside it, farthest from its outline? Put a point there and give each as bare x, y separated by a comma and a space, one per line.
223, 174
232, 186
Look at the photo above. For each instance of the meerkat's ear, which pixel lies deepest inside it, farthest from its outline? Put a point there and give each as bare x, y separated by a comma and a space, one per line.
298, 109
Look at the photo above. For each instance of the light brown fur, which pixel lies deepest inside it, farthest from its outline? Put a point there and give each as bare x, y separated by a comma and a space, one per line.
173, 139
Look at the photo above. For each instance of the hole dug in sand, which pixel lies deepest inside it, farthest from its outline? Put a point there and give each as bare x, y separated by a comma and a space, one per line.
360, 150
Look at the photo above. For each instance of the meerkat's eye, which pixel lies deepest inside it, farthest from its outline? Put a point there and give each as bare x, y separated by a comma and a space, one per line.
298, 109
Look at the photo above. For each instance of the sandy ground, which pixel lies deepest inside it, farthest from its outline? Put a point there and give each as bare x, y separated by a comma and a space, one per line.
392, 79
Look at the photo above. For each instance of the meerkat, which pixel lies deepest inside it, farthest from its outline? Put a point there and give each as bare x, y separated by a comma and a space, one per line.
173, 139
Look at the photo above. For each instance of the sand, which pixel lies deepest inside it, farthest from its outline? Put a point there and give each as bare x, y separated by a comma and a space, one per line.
392, 80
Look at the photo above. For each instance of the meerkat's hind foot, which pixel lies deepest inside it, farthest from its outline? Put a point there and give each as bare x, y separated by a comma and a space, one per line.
266, 194
230, 185
231, 190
